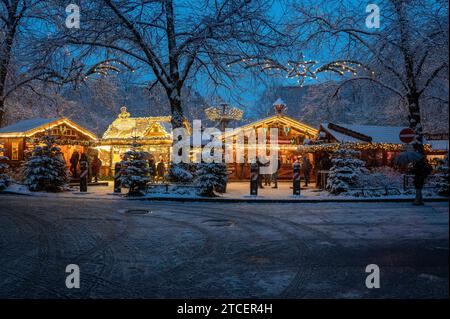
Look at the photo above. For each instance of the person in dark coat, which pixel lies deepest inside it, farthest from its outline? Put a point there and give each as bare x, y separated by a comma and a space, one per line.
74, 159
306, 167
275, 175
160, 169
152, 168
421, 169
96, 164
84, 168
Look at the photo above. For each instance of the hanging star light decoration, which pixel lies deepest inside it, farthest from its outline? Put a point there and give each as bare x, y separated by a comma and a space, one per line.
301, 69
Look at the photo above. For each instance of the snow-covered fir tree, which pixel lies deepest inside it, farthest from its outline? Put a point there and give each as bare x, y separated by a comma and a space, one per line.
4, 177
136, 172
46, 169
345, 171
182, 173
210, 177
442, 182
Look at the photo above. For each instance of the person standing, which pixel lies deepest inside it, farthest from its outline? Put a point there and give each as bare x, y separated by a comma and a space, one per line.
306, 165
83, 172
421, 169
260, 176
275, 175
160, 169
152, 169
95, 167
74, 159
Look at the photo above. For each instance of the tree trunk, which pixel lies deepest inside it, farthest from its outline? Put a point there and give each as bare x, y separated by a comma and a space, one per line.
5, 56
2, 111
176, 110
415, 121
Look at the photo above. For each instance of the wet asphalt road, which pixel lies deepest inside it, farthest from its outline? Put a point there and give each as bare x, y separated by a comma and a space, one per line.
223, 250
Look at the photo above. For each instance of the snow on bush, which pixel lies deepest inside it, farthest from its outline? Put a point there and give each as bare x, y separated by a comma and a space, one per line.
210, 177
45, 169
5, 180
380, 181
136, 173
345, 172
181, 173
441, 184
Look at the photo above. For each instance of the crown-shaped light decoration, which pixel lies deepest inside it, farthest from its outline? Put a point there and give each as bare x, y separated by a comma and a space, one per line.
224, 112
123, 113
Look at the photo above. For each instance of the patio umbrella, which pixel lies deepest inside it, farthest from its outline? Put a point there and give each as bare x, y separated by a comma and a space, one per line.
407, 157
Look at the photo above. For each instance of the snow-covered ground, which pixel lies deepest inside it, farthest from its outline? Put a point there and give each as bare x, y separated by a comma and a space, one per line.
235, 191
221, 250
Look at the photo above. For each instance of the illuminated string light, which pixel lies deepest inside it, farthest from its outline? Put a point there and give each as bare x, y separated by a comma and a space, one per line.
331, 147
302, 69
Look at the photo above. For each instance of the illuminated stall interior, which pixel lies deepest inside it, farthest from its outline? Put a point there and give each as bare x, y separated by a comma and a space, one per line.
291, 134
17, 138
154, 134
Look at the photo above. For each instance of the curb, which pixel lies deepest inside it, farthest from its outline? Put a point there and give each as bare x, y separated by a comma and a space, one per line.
281, 201
245, 200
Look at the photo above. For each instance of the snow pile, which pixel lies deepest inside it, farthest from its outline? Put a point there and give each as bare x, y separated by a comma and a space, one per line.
5, 180
136, 171
345, 172
211, 177
45, 169
173, 190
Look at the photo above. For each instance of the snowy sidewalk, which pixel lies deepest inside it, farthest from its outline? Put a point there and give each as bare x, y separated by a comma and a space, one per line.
236, 192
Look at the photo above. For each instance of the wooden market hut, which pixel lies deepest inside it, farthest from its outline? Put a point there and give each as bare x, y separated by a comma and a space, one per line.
291, 134
153, 134
17, 138
378, 144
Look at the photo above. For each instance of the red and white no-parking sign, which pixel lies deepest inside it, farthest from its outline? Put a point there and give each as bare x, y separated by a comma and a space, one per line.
407, 135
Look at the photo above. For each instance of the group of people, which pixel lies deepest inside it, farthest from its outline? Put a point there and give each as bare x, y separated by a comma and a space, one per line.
305, 168
93, 164
157, 171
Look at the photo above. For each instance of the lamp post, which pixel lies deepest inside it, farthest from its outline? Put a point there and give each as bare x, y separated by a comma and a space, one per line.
224, 114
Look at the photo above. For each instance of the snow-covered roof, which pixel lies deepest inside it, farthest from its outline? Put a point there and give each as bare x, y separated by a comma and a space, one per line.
30, 127
377, 133
438, 145
153, 127
27, 125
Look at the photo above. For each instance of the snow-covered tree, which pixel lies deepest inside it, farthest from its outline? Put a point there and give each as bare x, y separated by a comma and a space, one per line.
4, 177
45, 169
136, 173
442, 183
345, 171
210, 177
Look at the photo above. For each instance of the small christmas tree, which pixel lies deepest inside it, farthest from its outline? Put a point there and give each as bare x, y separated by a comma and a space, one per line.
45, 169
210, 177
345, 171
136, 172
442, 183
4, 177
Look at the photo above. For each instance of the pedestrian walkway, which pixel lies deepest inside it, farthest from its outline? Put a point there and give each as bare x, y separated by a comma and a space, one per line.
284, 190
236, 192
